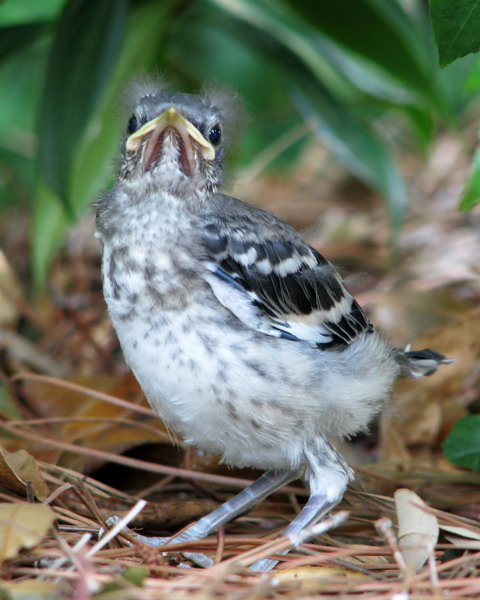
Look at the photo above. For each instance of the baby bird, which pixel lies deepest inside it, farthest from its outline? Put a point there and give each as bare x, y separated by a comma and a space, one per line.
244, 338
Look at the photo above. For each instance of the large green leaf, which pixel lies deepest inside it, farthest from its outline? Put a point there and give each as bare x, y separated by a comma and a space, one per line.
462, 445
147, 26
91, 166
366, 75
83, 55
373, 30
274, 28
20, 81
13, 12
375, 46
350, 138
380, 31
456, 27
16, 36
356, 145
193, 51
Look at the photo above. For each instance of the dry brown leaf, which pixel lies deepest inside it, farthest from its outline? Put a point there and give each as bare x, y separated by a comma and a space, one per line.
25, 354
392, 446
426, 409
18, 470
417, 529
28, 589
172, 513
10, 290
94, 422
22, 525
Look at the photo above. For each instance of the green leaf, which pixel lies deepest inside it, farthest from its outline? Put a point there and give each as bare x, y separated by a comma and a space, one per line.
377, 30
48, 227
136, 574
277, 33
356, 146
422, 124
17, 36
194, 40
471, 193
473, 81
83, 55
456, 27
276, 30
147, 25
20, 81
13, 12
367, 76
462, 445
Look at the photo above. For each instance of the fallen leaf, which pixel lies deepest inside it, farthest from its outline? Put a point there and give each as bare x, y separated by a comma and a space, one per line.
172, 513
18, 470
462, 537
91, 421
309, 576
461, 531
10, 292
417, 529
461, 542
22, 525
425, 409
28, 589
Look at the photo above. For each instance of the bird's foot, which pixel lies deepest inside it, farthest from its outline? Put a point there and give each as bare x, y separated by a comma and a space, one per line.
198, 558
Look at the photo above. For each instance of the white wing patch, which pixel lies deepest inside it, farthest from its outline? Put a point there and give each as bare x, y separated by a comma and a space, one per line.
282, 287
241, 303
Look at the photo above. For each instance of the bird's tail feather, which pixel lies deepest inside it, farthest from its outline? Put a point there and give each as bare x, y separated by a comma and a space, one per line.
418, 363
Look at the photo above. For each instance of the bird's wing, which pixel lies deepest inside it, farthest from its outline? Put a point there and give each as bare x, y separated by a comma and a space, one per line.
279, 285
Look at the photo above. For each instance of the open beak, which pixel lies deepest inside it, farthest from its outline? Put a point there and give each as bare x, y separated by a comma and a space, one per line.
191, 138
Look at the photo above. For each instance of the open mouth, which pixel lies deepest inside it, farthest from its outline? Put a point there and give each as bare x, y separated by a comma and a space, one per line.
188, 138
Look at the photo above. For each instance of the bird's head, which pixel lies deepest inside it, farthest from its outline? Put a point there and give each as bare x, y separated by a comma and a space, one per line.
178, 139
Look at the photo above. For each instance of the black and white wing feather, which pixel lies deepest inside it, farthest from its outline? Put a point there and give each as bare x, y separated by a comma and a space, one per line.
264, 273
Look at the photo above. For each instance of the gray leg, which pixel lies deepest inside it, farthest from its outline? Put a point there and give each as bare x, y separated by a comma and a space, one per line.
315, 508
259, 489
328, 476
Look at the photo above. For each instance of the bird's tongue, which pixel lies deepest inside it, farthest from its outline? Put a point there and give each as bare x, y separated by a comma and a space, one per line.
175, 135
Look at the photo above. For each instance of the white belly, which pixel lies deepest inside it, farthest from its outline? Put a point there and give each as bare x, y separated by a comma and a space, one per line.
257, 400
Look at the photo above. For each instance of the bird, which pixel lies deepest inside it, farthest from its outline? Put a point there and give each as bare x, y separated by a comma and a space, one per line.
244, 338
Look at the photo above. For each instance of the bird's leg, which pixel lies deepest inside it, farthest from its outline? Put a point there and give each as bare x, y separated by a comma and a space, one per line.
259, 489
327, 485
315, 508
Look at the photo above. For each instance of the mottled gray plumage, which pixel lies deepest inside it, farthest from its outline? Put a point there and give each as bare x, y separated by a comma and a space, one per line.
243, 338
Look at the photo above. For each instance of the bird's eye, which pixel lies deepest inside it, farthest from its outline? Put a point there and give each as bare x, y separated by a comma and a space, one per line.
132, 125
215, 134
